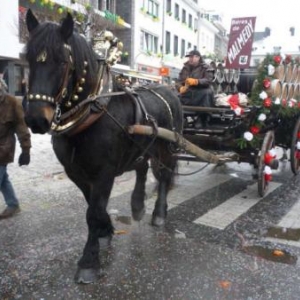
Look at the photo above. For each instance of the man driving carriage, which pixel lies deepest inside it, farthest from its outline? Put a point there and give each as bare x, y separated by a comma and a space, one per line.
194, 85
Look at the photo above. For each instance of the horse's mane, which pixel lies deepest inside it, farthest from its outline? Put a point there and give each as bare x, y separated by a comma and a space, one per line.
47, 37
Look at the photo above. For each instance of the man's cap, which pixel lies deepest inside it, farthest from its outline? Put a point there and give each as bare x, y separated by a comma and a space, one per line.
193, 52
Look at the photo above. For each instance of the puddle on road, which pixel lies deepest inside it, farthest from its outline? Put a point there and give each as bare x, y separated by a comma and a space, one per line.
272, 254
292, 234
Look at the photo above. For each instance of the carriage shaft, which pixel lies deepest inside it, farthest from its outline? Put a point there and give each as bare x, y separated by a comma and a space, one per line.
175, 138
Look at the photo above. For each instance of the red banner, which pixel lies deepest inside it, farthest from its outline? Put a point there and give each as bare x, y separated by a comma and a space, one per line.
240, 43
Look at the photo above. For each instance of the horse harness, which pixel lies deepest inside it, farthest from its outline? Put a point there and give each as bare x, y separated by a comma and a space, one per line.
79, 117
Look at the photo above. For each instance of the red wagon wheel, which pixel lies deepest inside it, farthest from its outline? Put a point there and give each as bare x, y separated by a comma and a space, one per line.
268, 144
295, 152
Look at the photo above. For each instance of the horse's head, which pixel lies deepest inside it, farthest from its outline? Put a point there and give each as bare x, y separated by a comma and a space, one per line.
62, 70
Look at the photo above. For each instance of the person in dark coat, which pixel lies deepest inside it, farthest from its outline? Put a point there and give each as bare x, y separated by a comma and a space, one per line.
194, 84
12, 123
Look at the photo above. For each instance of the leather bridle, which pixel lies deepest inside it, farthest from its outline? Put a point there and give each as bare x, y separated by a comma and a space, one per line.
62, 93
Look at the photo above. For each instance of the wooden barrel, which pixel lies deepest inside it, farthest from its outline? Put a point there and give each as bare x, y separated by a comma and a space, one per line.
291, 90
298, 74
297, 91
280, 73
294, 73
275, 89
285, 90
288, 69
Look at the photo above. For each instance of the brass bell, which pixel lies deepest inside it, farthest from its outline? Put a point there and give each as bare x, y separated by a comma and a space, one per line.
68, 104
108, 35
120, 45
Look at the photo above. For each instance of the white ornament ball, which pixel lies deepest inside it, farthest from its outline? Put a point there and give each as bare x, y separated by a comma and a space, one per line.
262, 117
271, 70
263, 95
248, 136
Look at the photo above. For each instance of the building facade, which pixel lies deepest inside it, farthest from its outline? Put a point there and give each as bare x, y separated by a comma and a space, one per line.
156, 34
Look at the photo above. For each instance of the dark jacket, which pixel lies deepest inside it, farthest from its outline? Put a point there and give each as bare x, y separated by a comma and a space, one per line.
201, 94
11, 123
201, 71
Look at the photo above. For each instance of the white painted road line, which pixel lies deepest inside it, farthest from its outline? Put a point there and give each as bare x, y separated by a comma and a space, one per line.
223, 215
292, 218
184, 191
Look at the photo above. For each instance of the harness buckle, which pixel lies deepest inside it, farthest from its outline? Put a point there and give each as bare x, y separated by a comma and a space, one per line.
57, 114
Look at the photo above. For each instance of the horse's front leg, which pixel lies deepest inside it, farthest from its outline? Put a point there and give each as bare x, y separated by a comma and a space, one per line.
138, 194
99, 227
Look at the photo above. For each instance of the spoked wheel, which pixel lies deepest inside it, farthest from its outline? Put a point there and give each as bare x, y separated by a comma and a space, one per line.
268, 144
295, 153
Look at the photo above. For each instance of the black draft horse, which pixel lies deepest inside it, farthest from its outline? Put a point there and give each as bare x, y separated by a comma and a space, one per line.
63, 73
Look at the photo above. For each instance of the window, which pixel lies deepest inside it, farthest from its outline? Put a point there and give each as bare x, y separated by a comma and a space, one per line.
175, 50
190, 21
182, 52
169, 6
105, 5
152, 8
177, 11
168, 42
148, 42
189, 46
183, 19
195, 23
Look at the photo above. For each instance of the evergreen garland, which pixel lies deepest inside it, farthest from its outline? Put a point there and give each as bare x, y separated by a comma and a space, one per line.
270, 110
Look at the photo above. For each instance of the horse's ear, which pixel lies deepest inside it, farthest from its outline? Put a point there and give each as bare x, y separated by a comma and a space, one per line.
67, 27
31, 20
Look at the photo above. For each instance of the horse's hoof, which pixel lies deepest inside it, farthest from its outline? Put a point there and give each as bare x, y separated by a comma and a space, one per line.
138, 214
158, 221
87, 276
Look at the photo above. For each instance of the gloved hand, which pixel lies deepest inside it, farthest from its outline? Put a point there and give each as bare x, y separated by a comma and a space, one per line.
182, 89
24, 159
191, 81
